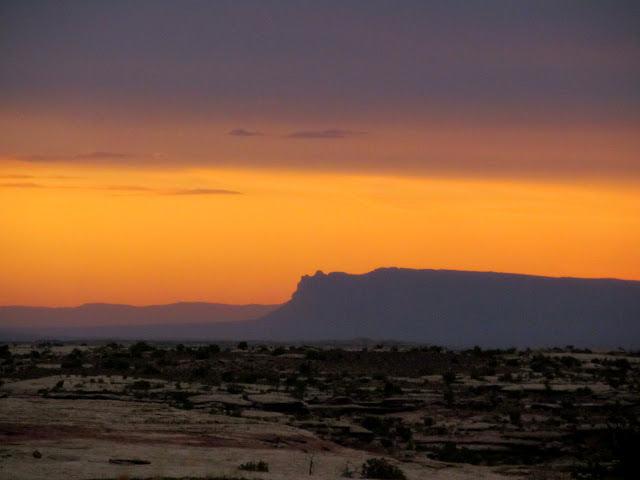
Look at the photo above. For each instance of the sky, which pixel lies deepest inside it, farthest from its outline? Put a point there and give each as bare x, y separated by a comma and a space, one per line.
155, 151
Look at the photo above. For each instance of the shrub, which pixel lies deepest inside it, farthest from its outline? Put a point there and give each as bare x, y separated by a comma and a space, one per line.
515, 417
316, 355
349, 470
261, 466
381, 427
116, 362
140, 385
139, 348
391, 389
279, 351
448, 377
381, 468
235, 389
404, 432
428, 421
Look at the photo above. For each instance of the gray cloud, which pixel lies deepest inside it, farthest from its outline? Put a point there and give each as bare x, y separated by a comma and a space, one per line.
528, 60
38, 158
79, 156
329, 133
101, 155
241, 132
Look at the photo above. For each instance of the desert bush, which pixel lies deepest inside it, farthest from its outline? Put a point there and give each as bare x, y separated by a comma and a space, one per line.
73, 360
448, 377
158, 353
381, 468
450, 453
391, 389
203, 353
228, 376
139, 348
235, 389
116, 362
278, 351
515, 417
140, 385
260, 466
247, 377
180, 399
449, 398
404, 433
547, 474
349, 470
316, 355
428, 421
569, 362
381, 427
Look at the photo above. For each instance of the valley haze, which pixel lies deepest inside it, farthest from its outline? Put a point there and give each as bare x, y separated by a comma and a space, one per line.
444, 307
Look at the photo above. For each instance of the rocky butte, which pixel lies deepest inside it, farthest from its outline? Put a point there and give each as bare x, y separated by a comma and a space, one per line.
460, 309
444, 307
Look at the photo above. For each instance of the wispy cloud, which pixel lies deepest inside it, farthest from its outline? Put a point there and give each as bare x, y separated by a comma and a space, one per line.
101, 155
16, 176
241, 132
329, 133
22, 185
202, 191
65, 177
128, 188
80, 156
125, 188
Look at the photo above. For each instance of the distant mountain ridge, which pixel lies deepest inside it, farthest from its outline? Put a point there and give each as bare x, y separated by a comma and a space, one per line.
459, 308
445, 307
108, 314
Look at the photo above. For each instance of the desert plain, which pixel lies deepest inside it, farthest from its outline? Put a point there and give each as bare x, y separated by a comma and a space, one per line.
287, 411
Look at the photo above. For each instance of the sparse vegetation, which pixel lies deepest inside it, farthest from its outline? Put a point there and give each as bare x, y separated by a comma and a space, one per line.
260, 466
381, 468
573, 408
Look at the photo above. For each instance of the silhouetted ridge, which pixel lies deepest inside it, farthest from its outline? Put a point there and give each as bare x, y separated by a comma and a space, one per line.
446, 307
461, 308
108, 315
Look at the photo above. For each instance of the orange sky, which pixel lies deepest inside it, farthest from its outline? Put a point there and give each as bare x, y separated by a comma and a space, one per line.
152, 153
97, 233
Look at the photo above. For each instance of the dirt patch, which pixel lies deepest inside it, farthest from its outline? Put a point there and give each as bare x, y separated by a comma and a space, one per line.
14, 433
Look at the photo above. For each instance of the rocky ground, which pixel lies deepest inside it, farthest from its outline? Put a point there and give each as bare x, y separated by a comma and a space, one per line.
173, 411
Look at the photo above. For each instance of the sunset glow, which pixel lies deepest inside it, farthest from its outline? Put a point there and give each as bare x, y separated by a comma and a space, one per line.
156, 236
181, 173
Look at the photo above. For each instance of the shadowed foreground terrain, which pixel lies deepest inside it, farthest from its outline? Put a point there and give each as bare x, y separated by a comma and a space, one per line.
271, 411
